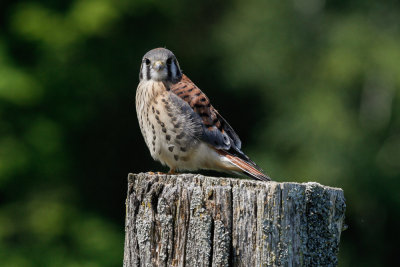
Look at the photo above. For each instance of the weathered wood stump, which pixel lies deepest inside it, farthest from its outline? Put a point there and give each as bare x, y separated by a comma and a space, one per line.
193, 220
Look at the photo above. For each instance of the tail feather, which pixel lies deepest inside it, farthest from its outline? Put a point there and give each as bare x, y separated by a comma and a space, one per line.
249, 168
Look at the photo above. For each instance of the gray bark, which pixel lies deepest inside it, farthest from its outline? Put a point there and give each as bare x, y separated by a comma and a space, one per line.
193, 220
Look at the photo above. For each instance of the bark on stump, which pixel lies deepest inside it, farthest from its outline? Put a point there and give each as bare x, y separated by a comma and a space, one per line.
193, 220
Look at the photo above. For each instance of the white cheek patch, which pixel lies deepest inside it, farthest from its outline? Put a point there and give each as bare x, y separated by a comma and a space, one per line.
144, 72
173, 70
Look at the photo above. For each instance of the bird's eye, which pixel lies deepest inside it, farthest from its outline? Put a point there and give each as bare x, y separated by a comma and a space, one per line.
169, 61
147, 61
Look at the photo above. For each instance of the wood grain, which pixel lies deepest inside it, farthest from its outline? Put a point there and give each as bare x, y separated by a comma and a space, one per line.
193, 220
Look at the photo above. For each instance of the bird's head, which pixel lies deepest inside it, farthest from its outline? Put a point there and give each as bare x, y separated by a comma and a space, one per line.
160, 64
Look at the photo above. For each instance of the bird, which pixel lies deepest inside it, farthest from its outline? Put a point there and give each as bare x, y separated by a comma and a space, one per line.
180, 126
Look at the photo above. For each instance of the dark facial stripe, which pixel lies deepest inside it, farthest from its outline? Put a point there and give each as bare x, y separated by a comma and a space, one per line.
148, 72
169, 71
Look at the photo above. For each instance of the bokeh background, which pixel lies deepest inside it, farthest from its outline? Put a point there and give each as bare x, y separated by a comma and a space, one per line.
311, 86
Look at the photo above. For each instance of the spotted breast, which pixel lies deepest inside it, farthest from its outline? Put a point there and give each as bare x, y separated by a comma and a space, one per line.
170, 129
180, 126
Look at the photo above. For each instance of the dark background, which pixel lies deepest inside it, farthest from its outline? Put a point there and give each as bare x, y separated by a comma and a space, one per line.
311, 87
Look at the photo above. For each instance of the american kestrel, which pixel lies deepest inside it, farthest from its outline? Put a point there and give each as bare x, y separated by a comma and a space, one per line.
180, 126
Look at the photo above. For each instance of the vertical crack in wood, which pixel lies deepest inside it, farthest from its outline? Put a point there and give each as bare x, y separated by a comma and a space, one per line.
212, 244
231, 227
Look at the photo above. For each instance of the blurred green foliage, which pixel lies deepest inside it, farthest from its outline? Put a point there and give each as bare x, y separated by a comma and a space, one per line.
318, 82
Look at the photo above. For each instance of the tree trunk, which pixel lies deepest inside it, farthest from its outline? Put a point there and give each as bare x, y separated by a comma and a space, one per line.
193, 220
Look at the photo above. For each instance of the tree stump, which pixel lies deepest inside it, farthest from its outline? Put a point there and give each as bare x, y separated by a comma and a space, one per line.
193, 220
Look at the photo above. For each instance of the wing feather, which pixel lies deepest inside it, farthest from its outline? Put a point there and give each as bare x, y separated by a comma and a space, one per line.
216, 130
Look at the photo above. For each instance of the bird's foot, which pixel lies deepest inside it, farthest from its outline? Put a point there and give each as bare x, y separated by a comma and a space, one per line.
172, 171
154, 173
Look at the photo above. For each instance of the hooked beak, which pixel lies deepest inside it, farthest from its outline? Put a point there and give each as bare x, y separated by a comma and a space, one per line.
158, 65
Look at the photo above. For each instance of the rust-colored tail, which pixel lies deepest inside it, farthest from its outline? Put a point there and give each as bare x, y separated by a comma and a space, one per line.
247, 167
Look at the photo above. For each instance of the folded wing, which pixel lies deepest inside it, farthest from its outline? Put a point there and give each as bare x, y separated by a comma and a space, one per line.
216, 131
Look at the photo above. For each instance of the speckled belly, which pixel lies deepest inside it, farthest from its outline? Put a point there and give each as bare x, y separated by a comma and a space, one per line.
167, 130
